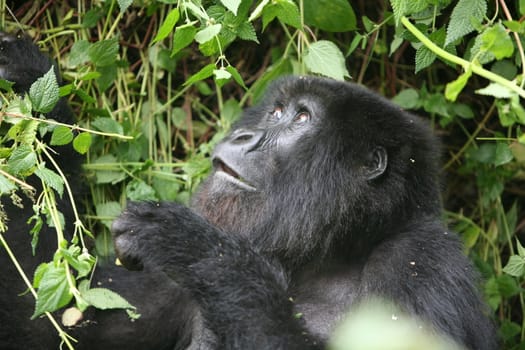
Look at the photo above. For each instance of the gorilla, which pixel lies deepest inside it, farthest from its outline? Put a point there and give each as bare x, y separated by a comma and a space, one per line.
323, 196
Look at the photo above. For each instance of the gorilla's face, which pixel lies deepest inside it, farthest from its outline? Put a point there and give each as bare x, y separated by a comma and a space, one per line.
249, 158
317, 158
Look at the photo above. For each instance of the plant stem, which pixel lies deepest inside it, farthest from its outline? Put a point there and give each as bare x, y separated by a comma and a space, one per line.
476, 68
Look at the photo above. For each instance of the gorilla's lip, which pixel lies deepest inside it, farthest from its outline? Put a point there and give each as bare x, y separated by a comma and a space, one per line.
225, 171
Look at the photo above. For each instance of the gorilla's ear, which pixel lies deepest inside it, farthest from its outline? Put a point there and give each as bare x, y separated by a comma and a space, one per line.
377, 163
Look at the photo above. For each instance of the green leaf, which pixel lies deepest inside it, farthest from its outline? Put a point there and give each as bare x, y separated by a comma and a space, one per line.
246, 31
138, 190
183, 37
62, 135
207, 33
330, 15
453, 88
503, 154
53, 291
82, 142
104, 53
460, 21
285, 10
107, 212
51, 179
515, 267
108, 125
104, 299
497, 41
496, 90
6, 186
79, 53
205, 72
407, 7
325, 58
82, 263
22, 160
408, 99
521, 249
44, 93
124, 4
236, 76
168, 25
108, 176
6, 85
232, 5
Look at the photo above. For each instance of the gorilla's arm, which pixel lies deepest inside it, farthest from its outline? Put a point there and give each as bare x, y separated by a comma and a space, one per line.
243, 296
420, 269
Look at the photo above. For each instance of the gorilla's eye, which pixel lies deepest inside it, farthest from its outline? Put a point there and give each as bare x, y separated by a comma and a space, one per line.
277, 113
301, 117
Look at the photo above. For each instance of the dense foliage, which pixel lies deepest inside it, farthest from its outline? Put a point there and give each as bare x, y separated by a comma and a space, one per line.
156, 83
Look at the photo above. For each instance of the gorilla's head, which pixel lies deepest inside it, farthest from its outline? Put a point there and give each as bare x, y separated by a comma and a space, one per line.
322, 165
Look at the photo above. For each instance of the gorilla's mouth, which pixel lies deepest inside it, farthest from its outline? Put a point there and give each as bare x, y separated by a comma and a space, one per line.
226, 172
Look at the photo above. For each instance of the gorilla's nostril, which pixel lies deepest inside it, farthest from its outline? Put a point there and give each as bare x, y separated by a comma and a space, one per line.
243, 137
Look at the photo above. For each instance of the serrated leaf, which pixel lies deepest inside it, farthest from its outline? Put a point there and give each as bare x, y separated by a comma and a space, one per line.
325, 58
104, 299
232, 5
22, 160
53, 292
205, 72
62, 135
108, 125
460, 23
424, 58
246, 31
44, 92
335, 16
407, 7
453, 88
82, 142
51, 179
182, 38
207, 33
515, 267
104, 53
168, 25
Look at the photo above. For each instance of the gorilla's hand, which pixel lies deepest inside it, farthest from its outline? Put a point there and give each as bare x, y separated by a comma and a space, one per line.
166, 235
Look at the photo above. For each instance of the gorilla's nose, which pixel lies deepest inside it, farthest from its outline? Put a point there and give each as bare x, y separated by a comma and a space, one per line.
248, 140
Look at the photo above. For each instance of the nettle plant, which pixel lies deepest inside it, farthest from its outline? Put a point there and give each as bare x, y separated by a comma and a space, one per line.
23, 154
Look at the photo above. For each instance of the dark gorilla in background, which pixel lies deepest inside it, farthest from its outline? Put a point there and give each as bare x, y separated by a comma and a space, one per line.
323, 196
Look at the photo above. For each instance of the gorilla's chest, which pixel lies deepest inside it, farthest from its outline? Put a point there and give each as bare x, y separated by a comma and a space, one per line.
323, 297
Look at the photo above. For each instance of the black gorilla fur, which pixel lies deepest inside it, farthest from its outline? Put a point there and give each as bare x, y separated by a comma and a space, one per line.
323, 196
